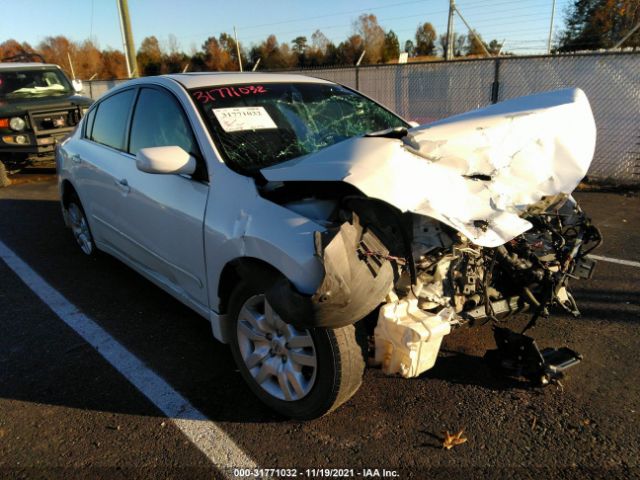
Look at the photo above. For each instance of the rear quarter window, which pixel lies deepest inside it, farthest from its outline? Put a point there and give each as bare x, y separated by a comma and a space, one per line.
88, 122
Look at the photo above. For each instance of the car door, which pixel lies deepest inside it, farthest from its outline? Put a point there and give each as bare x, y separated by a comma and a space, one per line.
162, 215
99, 162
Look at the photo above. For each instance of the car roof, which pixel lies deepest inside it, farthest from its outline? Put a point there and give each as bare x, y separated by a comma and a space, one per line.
206, 79
26, 66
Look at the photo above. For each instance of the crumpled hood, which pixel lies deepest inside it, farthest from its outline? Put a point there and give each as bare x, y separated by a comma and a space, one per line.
477, 172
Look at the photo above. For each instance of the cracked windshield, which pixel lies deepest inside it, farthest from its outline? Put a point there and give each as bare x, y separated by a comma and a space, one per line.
259, 125
32, 83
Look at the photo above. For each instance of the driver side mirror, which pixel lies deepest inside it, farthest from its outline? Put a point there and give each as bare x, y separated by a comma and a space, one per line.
165, 160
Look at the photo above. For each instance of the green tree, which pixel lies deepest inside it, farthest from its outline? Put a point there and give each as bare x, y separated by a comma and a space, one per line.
150, 56
299, 47
494, 47
595, 24
391, 48
410, 48
425, 39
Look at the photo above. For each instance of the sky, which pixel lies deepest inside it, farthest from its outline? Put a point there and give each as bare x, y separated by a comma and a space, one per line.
522, 24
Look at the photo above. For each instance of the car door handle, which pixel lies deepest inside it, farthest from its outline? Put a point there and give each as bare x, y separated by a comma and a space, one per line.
77, 159
123, 185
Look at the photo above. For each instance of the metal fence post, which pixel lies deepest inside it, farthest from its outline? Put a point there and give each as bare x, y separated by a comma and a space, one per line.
495, 86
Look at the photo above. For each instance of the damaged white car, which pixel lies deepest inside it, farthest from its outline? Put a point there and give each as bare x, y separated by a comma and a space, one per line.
314, 228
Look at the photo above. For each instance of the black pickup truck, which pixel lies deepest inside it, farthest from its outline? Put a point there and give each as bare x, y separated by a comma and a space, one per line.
39, 106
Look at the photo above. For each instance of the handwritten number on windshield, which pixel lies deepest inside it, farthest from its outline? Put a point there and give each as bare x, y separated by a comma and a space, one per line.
222, 93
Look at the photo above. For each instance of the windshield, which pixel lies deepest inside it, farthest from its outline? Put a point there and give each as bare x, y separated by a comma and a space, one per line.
259, 125
33, 83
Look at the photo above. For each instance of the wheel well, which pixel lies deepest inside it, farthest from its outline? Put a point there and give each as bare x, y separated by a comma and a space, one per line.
68, 192
244, 268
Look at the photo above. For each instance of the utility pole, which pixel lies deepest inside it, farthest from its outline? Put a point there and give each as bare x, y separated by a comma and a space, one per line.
127, 38
237, 48
553, 13
73, 72
448, 54
474, 34
628, 35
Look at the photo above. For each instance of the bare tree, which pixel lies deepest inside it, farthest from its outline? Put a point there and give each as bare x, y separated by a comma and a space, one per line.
372, 35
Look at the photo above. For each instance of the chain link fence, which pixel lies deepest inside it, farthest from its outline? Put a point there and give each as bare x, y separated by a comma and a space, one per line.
425, 92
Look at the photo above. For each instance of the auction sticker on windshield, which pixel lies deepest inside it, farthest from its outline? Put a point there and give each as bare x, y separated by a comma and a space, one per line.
243, 118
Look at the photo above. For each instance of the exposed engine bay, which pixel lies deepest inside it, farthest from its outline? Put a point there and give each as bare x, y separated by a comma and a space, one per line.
431, 278
481, 232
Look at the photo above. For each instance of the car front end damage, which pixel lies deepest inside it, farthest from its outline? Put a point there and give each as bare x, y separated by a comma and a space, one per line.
458, 223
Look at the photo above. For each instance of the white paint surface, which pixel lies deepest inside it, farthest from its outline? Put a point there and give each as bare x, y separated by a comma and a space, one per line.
208, 437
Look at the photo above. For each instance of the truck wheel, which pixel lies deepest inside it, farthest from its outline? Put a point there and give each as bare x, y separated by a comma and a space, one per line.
80, 226
300, 373
4, 179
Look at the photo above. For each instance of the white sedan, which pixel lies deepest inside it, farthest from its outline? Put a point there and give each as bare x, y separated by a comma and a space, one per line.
300, 217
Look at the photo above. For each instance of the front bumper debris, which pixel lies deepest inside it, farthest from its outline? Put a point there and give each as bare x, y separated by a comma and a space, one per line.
518, 355
358, 277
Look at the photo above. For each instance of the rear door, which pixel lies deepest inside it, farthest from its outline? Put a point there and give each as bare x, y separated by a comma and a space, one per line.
99, 164
162, 215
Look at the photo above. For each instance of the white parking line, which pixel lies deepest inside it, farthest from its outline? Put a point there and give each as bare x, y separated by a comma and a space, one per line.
203, 433
628, 263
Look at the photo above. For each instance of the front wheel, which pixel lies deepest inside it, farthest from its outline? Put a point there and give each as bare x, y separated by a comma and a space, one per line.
300, 373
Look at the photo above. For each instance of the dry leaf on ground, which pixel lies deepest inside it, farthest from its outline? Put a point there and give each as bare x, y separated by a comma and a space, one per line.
451, 441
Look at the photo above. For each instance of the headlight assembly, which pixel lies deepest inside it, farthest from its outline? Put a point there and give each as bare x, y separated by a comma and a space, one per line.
17, 124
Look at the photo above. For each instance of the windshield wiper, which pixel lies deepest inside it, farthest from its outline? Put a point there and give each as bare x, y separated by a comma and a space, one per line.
395, 132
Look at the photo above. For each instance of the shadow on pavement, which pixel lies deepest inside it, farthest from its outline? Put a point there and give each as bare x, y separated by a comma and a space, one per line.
46, 362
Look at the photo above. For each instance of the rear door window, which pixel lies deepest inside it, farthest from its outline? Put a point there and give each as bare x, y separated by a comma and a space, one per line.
110, 124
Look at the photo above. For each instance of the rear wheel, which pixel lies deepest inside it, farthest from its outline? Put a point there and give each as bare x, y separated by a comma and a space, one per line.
4, 179
300, 373
80, 226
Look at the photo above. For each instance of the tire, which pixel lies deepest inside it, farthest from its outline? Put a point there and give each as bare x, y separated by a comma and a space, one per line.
339, 356
80, 226
4, 179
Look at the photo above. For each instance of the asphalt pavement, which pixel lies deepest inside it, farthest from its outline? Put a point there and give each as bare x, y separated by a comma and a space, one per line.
66, 412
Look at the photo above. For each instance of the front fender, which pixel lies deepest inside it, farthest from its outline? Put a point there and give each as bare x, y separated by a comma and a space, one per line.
255, 227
